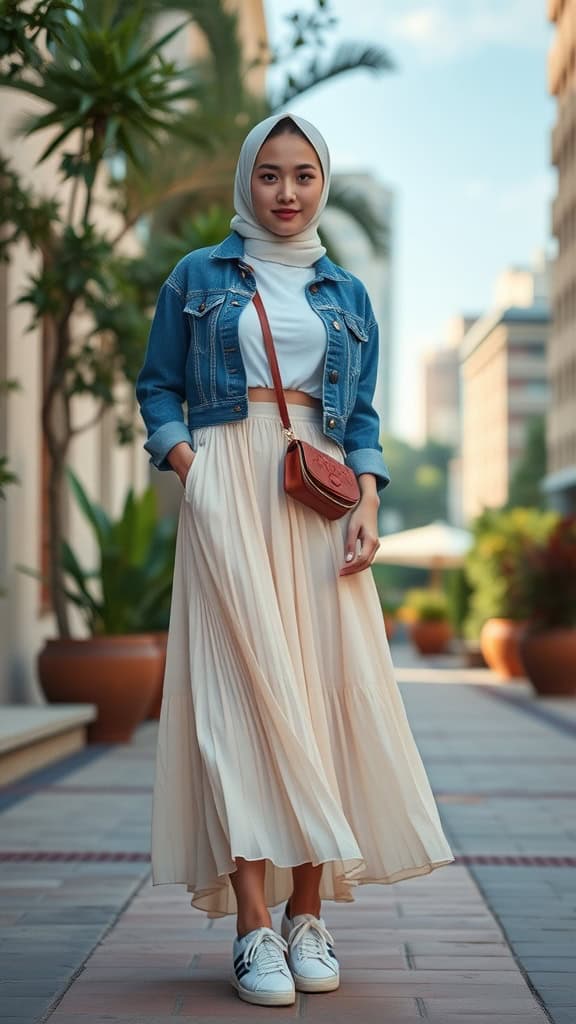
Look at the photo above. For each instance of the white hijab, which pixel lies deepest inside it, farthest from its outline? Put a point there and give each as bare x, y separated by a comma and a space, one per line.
302, 249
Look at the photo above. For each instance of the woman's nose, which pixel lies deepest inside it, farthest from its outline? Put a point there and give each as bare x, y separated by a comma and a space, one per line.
286, 192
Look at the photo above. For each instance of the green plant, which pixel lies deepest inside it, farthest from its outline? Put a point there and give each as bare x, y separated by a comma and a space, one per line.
494, 564
129, 590
389, 605
549, 578
458, 592
426, 605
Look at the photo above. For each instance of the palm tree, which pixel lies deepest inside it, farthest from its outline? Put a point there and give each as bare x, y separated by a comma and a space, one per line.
184, 181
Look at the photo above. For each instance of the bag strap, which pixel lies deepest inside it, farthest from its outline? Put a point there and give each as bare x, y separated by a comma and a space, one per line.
271, 353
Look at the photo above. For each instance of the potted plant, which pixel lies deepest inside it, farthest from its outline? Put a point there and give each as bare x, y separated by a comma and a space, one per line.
497, 609
548, 644
125, 603
390, 607
426, 612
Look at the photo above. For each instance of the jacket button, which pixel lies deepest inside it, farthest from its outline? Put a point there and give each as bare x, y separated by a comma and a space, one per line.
335, 325
201, 307
331, 424
314, 288
234, 303
242, 273
237, 408
334, 375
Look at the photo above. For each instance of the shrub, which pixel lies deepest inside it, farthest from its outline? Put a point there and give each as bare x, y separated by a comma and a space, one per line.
494, 564
549, 578
426, 605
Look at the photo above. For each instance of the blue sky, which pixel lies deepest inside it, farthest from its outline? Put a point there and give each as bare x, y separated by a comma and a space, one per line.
461, 132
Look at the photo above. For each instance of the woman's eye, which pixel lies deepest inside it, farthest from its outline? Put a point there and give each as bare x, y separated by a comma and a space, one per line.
268, 177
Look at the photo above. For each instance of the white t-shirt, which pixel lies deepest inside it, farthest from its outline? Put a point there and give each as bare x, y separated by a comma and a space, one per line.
298, 332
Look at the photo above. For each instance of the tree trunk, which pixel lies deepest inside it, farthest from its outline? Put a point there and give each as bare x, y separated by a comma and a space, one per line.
56, 534
57, 434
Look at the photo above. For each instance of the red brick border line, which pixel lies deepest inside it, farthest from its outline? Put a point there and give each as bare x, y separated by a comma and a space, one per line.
111, 790
524, 860
54, 856
470, 796
139, 857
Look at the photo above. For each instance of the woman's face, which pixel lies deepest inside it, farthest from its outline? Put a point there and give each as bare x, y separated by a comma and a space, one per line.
286, 184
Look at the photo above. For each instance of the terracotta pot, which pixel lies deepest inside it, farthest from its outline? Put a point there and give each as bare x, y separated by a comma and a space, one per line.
500, 645
431, 637
119, 674
550, 659
155, 706
389, 624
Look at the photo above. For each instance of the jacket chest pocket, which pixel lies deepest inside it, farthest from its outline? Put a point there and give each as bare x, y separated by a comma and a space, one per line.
203, 312
356, 335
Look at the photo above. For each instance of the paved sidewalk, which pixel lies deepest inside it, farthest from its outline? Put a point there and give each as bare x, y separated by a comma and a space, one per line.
84, 937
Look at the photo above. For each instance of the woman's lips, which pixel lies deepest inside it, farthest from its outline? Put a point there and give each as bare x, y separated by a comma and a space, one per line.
285, 214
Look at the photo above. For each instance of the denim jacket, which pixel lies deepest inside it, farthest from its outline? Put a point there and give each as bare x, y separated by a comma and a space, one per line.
193, 355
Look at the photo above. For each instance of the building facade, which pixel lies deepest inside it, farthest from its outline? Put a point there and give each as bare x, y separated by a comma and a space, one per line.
560, 482
441, 395
504, 385
441, 385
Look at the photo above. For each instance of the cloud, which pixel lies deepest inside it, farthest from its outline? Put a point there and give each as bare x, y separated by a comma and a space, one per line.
444, 29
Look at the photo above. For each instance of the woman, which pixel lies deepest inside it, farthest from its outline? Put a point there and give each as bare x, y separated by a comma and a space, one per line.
286, 769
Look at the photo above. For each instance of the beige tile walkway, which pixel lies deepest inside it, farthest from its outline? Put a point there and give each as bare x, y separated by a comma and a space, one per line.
426, 948
491, 938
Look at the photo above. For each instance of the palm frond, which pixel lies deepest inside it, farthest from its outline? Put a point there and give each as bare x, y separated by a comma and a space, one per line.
347, 57
333, 250
358, 206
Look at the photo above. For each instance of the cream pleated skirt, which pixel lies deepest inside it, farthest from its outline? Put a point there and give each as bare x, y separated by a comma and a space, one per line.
282, 734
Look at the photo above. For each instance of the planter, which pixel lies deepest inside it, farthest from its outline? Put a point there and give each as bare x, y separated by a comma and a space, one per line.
431, 636
500, 645
155, 706
119, 674
550, 660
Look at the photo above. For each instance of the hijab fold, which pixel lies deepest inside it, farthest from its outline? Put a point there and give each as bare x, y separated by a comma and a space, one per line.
302, 249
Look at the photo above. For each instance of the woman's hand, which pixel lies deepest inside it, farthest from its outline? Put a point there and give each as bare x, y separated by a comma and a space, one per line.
363, 527
181, 457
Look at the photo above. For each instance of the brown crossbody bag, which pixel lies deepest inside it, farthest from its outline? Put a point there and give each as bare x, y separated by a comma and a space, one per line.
310, 475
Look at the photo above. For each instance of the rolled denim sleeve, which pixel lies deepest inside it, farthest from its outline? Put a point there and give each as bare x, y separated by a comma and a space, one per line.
160, 385
361, 439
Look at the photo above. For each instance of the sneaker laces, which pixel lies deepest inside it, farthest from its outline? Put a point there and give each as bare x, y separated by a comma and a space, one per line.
271, 948
312, 939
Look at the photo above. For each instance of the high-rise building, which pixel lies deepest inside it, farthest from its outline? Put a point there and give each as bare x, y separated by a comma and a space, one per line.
441, 395
441, 380
442, 405
356, 254
560, 482
504, 385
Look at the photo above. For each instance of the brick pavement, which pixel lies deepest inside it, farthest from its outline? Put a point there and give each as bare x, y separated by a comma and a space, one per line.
470, 943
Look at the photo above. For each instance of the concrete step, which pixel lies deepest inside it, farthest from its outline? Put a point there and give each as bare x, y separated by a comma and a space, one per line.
33, 736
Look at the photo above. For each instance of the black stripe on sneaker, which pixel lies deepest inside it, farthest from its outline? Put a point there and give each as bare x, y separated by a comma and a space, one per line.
241, 971
239, 960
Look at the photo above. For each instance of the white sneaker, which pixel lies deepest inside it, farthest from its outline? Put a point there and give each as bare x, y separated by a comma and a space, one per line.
310, 953
261, 974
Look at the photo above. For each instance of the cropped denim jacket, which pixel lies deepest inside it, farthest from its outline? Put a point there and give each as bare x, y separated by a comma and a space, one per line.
193, 355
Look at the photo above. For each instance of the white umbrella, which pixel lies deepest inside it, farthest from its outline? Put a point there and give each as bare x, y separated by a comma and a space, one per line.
436, 546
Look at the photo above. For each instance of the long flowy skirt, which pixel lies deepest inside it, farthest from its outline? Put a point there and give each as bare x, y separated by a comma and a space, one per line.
282, 734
